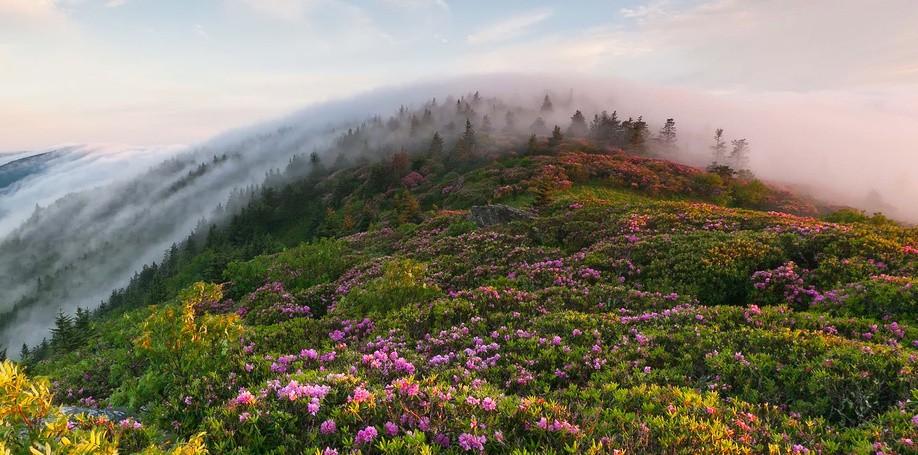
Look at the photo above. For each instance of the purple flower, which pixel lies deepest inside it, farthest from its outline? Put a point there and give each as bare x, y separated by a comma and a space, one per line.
130, 424
330, 451
313, 406
360, 395
391, 428
441, 439
244, 398
294, 390
366, 435
470, 442
328, 427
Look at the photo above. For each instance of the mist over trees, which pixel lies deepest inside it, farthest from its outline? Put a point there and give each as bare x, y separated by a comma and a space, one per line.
89, 243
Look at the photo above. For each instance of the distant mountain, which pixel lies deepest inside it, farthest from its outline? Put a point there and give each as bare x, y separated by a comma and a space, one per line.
40, 177
19, 169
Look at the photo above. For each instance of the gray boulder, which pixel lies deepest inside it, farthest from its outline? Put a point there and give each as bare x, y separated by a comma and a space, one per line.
115, 415
489, 215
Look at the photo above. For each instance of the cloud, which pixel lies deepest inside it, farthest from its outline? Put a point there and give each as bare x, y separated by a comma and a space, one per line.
201, 32
508, 29
441, 4
780, 44
587, 52
774, 45
287, 10
14, 12
115, 3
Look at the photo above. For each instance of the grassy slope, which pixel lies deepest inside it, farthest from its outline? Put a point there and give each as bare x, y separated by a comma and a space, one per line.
624, 316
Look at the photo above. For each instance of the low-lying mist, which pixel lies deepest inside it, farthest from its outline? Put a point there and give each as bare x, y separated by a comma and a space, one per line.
72, 253
41, 177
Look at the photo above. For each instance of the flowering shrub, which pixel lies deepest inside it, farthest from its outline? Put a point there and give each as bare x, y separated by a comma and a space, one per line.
29, 423
611, 322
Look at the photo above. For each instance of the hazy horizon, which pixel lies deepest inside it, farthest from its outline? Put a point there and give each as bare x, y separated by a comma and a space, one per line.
151, 73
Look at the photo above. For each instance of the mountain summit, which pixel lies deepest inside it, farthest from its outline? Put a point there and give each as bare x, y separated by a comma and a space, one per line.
472, 276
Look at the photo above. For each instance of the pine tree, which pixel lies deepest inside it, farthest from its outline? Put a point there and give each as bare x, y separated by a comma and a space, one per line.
638, 138
407, 207
436, 144
543, 193
739, 156
578, 127
719, 149
605, 128
509, 122
667, 136
81, 322
532, 145
538, 127
556, 137
546, 105
316, 168
400, 164
465, 148
414, 126
486, 125
61, 333
24, 353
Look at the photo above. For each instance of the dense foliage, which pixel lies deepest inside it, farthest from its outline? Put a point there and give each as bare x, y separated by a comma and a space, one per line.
637, 309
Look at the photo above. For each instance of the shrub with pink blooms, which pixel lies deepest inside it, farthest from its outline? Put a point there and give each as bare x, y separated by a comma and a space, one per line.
630, 305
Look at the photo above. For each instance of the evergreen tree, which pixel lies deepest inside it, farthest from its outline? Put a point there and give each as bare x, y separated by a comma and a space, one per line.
556, 137
543, 193
414, 126
578, 127
393, 124
719, 149
469, 136
546, 105
62, 332
316, 168
739, 156
486, 125
509, 122
605, 128
538, 127
638, 138
407, 207
400, 164
667, 136
465, 148
532, 145
24, 353
436, 145
81, 322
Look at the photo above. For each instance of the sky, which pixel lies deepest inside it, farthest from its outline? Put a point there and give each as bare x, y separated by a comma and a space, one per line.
155, 72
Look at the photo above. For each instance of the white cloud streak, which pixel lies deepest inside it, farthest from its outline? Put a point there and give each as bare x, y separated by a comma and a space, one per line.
509, 29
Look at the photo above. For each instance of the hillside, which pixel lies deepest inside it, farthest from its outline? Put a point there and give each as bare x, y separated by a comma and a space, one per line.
483, 293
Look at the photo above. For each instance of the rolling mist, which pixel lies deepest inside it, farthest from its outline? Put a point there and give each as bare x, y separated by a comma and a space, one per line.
99, 224
38, 178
